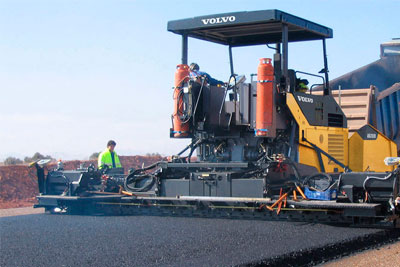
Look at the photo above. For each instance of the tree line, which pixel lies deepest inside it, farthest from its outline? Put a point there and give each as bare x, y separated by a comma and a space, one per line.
35, 157
39, 156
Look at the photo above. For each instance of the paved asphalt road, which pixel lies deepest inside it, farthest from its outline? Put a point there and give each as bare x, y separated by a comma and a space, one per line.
60, 240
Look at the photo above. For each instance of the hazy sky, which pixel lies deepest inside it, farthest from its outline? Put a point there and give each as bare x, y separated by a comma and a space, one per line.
74, 74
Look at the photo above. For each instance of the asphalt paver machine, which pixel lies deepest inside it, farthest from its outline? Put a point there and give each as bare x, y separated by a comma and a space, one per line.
268, 149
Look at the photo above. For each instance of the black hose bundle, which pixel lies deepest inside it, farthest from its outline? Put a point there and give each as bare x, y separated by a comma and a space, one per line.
138, 176
190, 110
133, 179
294, 168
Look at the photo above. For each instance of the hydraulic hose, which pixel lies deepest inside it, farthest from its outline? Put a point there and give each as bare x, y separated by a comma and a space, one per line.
138, 175
180, 95
294, 168
193, 146
152, 166
132, 179
189, 114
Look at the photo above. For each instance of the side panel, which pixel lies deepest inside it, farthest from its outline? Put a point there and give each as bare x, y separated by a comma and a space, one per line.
173, 188
221, 187
333, 140
367, 150
320, 110
247, 188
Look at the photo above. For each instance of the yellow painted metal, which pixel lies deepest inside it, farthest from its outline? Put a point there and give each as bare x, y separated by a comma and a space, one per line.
368, 155
332, 140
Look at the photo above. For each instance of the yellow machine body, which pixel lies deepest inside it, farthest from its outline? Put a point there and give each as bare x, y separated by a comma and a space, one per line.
364, 151
368, 148
333, 140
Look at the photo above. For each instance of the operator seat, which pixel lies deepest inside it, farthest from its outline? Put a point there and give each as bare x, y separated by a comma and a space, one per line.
296, 84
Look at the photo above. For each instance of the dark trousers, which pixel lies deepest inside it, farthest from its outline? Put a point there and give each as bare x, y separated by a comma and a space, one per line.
40, 176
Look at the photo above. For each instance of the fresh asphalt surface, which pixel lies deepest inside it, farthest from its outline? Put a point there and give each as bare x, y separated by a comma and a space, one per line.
63, 240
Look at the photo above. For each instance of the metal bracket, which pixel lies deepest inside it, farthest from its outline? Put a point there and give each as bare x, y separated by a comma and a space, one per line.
320, 151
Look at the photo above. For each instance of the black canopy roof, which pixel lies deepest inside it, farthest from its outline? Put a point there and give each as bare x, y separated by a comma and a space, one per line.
249, 28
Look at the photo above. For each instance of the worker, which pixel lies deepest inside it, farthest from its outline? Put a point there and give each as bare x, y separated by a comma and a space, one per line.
196, 73
301, 85
109, 157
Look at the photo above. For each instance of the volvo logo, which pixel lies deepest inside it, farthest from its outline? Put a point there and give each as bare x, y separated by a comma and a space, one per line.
305, 99
218, 20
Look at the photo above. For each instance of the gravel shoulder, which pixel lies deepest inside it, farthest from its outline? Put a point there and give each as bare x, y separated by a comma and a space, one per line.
388, 255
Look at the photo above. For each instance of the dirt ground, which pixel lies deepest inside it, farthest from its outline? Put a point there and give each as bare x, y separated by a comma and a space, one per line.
18, 186
18, 183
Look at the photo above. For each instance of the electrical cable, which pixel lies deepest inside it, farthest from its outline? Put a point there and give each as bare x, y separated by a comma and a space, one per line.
387, 177
376, 178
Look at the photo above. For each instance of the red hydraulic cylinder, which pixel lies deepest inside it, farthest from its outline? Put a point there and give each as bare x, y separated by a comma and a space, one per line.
180, 129
265, 97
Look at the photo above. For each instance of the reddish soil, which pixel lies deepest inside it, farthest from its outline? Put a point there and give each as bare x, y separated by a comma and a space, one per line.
18, 183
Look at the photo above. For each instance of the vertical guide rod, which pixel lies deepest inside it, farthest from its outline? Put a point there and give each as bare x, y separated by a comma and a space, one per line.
278, 48
277, 63
291, 141
231, 59
232, 73
327, 90
285, 40
184, 49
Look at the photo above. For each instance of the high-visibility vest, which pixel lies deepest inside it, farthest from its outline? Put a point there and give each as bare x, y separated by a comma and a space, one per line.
105, 158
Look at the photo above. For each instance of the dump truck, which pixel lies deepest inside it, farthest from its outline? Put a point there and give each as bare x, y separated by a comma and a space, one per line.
268, 149
371, 93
